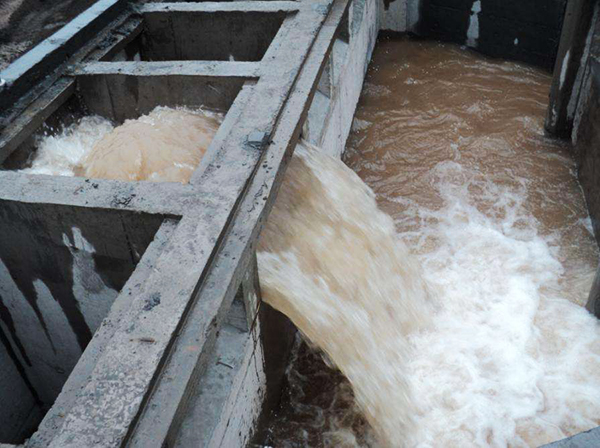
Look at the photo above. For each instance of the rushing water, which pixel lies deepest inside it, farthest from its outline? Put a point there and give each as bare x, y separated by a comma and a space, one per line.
453, 146
164, 146
478, 338
330, 260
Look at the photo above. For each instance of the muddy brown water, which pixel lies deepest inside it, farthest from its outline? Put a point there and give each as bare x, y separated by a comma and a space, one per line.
452, 144
427, 103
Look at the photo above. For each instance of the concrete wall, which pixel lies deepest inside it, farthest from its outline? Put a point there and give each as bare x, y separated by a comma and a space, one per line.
571, 70
60, 271
587, 157
169, 39
242, 384
19, 411
522, 30
574, 109
331, 114
587, 147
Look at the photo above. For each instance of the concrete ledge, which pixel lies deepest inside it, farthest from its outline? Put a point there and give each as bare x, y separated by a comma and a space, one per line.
56, 49
245, 70
588, 439
247, 6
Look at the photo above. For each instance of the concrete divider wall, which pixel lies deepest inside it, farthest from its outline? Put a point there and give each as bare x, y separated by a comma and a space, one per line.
238, 392
574, 108
587, 158
60, 272
365, 20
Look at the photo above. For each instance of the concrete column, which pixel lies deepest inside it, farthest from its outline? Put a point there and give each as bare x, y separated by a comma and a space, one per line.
593, 305
570, 60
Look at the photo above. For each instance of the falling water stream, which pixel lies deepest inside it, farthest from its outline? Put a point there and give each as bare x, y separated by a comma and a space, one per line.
447, 287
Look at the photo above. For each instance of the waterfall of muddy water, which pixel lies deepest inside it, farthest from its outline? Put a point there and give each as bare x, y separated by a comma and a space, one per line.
452, 145
329, 259
163, 146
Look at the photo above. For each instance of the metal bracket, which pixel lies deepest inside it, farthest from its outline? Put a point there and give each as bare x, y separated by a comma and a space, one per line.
258, 140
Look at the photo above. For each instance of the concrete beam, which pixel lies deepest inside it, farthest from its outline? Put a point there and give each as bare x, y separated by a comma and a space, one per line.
55, 50
44, 98
593, 304
231, 69
587, 439
570, 60
236, 6
151, 429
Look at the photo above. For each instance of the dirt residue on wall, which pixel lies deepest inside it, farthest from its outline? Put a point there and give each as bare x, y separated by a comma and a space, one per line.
25, 23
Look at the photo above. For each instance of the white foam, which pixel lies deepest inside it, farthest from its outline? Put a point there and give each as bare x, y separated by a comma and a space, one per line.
509, 358
61, 154
508, 361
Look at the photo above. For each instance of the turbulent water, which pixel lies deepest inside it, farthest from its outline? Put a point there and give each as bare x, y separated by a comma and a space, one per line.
163, 146
453, 146
329, 259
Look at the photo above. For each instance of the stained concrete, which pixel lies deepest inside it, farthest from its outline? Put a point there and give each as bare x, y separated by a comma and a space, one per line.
59, 275
527, 31
584, 106
20, 418
571, 66
587, 154
587, 157
151, 343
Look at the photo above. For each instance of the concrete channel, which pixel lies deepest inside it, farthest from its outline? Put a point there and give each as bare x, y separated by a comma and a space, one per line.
130, 312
